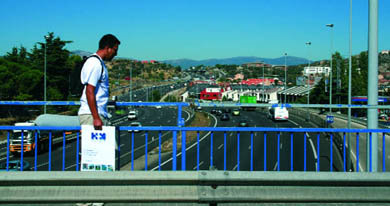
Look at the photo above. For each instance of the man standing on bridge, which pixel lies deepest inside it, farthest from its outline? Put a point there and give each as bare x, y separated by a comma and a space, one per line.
94, 77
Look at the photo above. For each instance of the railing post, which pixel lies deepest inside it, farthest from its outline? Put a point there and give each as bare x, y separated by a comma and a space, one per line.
118, 151
180, 123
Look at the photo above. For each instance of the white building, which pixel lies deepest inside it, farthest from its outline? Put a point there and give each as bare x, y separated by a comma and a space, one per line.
316, 70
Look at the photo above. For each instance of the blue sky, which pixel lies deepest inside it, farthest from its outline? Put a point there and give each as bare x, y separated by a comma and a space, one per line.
201, 29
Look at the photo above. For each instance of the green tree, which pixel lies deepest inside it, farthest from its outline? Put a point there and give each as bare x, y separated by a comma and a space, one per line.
156, 95
19, 82
17, 55
58, 68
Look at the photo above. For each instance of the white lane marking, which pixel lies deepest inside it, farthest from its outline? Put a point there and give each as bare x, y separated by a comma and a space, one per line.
249, 148
122, 145
231, 134
220, 146
276, 166
314, 149
4, 158
281, 146
193, 145
42, 164
235, 167
188, 115
293, 122
354, 156
68, 167
196, 167
307, 134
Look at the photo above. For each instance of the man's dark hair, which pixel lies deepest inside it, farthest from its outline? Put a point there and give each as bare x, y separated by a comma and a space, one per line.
108, 40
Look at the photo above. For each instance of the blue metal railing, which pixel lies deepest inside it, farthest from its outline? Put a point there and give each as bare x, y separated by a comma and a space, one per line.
182, 130
293, 132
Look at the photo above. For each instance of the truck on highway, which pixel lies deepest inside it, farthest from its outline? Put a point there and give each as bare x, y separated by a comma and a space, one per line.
278, 113
42, 143
248, 100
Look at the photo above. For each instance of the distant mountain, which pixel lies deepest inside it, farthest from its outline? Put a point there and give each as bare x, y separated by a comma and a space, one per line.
187, 63
81, 53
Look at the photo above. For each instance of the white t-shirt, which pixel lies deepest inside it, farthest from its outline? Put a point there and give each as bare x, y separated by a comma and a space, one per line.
91, 73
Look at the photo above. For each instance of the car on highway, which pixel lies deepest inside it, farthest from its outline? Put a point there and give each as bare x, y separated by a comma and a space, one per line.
135, 124
224, 117
132, 115
14, 165
236, 112
199, 108
158, 107
218, 112
243, 123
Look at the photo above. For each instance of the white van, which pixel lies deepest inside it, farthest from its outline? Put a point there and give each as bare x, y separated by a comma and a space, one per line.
278, 113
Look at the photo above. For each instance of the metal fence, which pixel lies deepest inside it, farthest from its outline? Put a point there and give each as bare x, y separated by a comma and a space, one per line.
252, 133
338, 141
255, 183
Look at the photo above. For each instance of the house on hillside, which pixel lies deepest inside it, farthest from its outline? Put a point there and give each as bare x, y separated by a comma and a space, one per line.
238, 76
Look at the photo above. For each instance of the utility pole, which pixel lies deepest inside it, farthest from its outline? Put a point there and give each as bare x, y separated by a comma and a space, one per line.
285, 77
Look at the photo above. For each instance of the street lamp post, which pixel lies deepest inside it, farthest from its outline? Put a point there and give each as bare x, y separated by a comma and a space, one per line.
308, 81
331, 65
285, 77
44, 65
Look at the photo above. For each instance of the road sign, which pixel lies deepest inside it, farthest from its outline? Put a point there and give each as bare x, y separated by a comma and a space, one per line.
329, 118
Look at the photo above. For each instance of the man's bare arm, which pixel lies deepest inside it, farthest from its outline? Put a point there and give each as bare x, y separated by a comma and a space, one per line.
91, 99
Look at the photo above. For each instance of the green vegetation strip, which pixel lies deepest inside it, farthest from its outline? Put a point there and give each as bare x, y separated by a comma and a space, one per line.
201, 119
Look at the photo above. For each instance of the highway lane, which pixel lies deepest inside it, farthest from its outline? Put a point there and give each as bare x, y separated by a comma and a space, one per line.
148, 116
262, 157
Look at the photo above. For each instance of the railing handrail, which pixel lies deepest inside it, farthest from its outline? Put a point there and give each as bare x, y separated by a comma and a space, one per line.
214, 129
206, 104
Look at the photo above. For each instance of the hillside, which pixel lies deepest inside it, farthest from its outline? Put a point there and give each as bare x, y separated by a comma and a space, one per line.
187, 63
